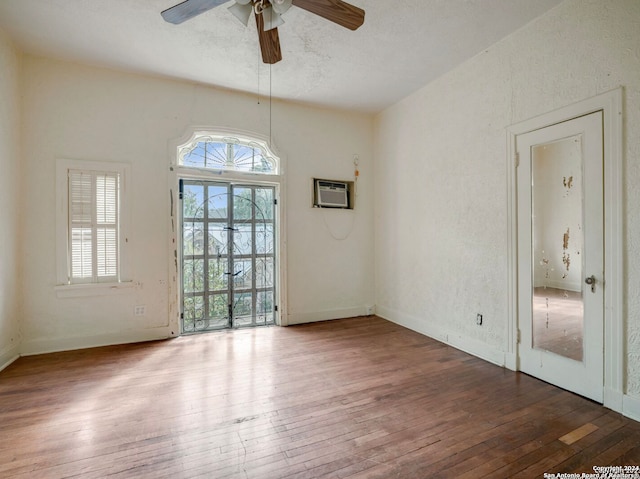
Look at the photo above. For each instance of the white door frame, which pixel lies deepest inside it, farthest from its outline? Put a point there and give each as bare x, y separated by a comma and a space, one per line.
178, 172
231, 255
610, 104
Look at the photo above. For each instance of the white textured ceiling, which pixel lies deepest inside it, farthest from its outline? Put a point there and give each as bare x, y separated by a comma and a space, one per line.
402, 46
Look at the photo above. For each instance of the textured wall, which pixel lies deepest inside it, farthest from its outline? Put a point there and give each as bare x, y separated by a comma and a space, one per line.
441, 170
9, 190
79, 112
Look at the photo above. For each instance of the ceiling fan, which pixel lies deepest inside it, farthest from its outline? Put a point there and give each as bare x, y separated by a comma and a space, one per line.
268, 14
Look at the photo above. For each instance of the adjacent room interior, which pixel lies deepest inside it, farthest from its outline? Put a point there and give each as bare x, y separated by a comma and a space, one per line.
329, 242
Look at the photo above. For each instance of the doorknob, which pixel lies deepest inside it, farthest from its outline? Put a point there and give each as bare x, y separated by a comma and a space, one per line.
591, 280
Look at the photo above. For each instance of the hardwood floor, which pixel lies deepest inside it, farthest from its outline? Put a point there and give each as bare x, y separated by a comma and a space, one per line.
355, 398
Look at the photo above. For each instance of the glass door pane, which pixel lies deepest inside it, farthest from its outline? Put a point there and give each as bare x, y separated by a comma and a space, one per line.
253, 250
205, 256
228, 256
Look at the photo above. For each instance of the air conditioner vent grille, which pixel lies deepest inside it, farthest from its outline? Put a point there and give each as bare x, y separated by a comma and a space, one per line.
331, 194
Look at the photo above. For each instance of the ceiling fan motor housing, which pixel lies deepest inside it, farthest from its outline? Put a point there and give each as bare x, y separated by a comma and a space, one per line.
281, 6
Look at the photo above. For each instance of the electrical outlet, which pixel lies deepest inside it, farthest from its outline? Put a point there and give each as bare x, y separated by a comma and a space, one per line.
139, 310
479, 319
371, 310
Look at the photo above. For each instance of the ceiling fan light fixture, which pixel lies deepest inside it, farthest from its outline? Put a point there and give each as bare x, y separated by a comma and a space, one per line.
272, 19
242, 11
281, 6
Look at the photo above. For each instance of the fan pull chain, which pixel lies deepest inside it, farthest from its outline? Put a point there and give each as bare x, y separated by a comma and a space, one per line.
270, 114
258, 70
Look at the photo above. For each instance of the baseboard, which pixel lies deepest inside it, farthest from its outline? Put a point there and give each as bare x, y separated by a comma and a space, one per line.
454, 339
631, 407
315, 316
613, 399
511, 361
8, 355
43, 346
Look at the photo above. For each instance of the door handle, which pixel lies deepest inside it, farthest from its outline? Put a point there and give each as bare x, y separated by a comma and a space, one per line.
591, 281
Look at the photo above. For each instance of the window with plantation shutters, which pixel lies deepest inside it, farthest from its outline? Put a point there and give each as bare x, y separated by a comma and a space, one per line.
93, 226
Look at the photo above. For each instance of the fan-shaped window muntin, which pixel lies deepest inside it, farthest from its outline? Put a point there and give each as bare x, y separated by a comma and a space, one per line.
211, 152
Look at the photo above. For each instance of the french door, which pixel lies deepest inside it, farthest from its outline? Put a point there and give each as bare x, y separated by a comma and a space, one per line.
228, 255
561, 254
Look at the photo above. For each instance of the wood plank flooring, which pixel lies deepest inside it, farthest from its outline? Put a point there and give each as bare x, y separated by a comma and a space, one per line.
355, 398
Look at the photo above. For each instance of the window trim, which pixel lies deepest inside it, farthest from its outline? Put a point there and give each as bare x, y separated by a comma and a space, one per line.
64, 286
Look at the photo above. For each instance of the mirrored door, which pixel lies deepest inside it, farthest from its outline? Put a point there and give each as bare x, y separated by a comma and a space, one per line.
557, 246
560, 254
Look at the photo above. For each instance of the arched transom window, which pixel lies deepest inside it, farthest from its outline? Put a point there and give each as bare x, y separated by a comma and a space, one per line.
218, 152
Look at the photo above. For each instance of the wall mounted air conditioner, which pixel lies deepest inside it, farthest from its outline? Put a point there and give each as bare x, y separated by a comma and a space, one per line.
331, 194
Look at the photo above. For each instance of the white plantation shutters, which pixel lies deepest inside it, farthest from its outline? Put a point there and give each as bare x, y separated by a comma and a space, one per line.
107, 188
80, 225
94, 205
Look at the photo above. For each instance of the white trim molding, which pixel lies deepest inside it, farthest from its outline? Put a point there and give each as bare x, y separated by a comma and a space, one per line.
631, 407
9, 354
178, 172
43, 346
327, 315
610, 104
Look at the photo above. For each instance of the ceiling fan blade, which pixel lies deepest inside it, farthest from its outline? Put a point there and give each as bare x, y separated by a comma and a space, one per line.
337, 11
189, 9
269, 42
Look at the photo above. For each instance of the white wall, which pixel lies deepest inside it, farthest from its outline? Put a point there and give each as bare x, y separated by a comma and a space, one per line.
441, 173
10, 199
79, 112
330, 252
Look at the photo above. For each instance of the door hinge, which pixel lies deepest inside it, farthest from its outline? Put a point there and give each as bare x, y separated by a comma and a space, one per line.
275, 308
516, 159
275, 201
181, 315
518, 336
